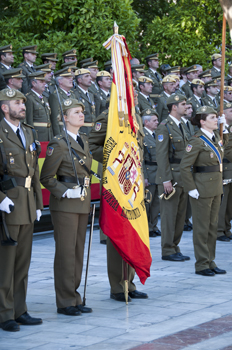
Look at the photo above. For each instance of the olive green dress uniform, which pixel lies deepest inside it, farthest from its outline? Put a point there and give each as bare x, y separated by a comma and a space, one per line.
145, 103
172, 211
94, 88
157, 81
207, 100
195, 104
101, 101
225, 212
15, 260
161, 106
187, 89
215, 72
204, 209
149, 170
2, 80
55, 108
49, 89
69, 216
38, 114
89, 104
114, 260
26, 71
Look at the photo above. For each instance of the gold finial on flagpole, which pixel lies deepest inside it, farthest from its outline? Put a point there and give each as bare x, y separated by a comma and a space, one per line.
115, 28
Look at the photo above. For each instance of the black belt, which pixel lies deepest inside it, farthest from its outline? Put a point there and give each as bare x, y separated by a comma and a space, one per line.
206, 169
13, 181
150, 163
70, 179
226, 160
174, 160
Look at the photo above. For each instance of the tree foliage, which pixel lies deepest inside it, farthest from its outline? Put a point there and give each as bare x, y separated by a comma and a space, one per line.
60, 25
189, 33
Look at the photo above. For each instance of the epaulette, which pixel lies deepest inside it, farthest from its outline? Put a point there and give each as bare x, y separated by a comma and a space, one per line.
164, 122
30, 126
21, 64
155, 95
27, 93
105, 111
58, 137
190, 98
82, 133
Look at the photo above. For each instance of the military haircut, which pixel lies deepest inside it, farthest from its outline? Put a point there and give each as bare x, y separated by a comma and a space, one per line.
99, 79
172, 104
141, 83
4, 103
108, 69
2, 54
194, 86
146, 117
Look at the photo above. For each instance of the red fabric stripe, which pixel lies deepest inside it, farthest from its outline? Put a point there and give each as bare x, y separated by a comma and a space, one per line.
43, 149
137, 253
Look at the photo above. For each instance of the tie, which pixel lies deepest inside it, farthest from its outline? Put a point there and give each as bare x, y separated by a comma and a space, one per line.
19, 136
213, 138
34, 70
157, 77
153, 134
201, 102
149, 101
108, 95
187, 123
215, 101
68, 93
181, 129
88, 96
79, 140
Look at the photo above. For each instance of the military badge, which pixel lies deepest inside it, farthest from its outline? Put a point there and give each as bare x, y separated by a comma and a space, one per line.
10, 93
50, 151
67, 102
148, 111
160, 138
176, 98
211, 155
98, 126
204, 109
188, 148
33, 147
11, 160
228, 105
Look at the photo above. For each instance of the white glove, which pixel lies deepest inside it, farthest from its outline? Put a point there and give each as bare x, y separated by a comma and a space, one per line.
38, 214
4, 205
194, 194
73, 193
222, 120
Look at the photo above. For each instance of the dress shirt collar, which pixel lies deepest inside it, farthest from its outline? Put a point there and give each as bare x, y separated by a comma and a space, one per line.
207, 133
148, 130
13, 127
175, 120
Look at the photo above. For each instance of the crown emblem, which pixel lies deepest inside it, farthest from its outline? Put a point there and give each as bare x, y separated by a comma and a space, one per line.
10, 93
176, 98
67, 102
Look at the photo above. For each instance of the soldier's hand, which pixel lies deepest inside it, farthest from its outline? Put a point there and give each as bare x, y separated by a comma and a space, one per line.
194, 194
168, 187
146, 182
7, 205
38, 214
74, 193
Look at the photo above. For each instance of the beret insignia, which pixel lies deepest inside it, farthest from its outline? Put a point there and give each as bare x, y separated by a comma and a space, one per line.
203, 109
228, 105
67, 102
176, 98
10, 93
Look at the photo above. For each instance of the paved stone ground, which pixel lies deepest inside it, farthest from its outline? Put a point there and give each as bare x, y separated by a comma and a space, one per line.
184, 310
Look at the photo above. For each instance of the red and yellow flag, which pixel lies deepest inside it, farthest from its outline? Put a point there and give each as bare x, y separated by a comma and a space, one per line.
123, 215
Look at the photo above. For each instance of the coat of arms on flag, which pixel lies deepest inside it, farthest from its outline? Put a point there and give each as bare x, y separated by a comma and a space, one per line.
123, 213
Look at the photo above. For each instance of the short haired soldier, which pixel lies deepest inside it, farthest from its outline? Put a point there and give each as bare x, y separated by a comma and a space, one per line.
197, 87
103, 80
19, 190
191, 73
137, 71
153, 65
50, 58
29, 56
169, 86
38, 111
144, 99
150, 123
69, 55
211, 93
216, 59
171, 140
6, 60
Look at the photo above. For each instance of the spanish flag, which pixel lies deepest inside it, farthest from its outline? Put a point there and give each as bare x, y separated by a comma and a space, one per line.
123, 215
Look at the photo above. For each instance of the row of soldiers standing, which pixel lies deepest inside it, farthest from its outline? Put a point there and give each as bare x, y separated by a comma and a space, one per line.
92, 88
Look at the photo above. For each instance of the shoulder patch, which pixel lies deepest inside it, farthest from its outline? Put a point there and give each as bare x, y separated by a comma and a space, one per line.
30, 126
164, 122
160, 138
98, 126
188, 148
50, 151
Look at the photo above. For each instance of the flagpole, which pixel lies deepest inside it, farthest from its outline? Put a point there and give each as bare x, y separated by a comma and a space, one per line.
222, 71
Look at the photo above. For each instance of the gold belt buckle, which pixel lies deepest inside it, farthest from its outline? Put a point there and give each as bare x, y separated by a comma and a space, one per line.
86, 181
28, 182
